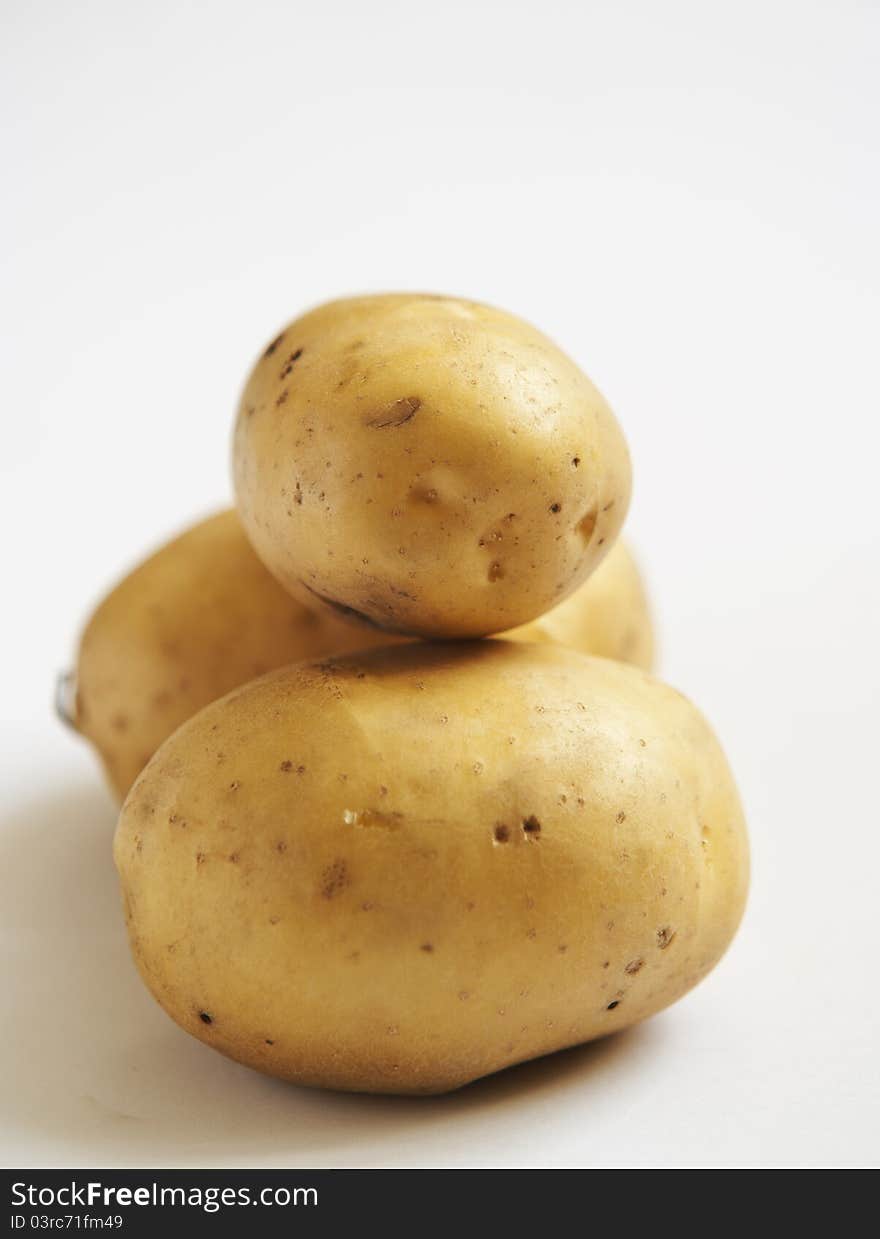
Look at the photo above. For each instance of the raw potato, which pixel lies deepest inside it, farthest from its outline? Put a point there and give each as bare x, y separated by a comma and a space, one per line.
400, 871
203, 615
198, 618
433, 466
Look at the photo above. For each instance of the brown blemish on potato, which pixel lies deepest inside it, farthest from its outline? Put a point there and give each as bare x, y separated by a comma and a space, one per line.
269, 1041
555, 507
396, 414
270, 349
334, 879
119, 722
612, 1005
633, 967
587, 524
575, 460
344, 610
665, 937
281, 846
290, 363
621, 817
206, 1018
234, 785
200, 859
427, 947
496, 571
281, 398
531, 827
608, 506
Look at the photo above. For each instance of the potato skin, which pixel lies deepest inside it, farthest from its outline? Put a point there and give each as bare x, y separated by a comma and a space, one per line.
400, 871
202, 615
436, 466
193, 621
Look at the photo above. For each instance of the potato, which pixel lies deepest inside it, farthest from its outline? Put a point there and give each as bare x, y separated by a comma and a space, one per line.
203, 615
198, 618
401, 870
431, 465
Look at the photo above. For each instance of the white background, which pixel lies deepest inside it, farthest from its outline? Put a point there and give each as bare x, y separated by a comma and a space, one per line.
686, 196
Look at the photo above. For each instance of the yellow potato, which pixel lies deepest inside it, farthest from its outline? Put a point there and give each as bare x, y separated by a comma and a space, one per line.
402, 870
198, 618
203, 615
434, 466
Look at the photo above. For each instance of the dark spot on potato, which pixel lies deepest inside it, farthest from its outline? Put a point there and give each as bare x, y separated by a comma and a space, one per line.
502, 833
234, 785
633, 967
562, 948
270, 349
665, 937
612, 1005
575, 460
280, 846
233, 857
531, 827
555, 507
281, 398
621, 817
427, 947
342, 609
119, 722
268, 1042
334, 879
205, 1018
607, 963
496, 571
200, 858
608, 506
290, 363
286, 767
396, 414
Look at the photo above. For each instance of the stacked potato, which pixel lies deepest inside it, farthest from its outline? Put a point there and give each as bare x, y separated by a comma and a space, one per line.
404, 856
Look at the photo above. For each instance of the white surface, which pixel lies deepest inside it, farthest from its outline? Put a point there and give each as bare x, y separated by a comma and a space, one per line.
686, 196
